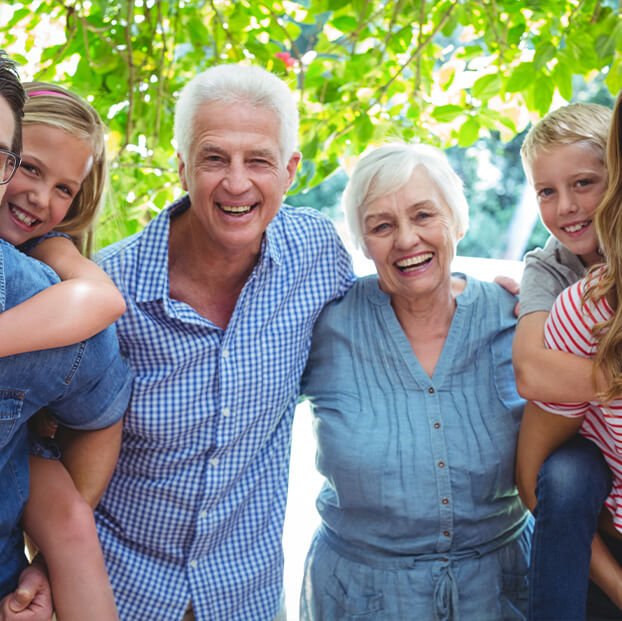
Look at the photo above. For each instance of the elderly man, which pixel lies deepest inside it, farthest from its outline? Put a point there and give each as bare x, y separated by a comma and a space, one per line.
222, 289
86, 385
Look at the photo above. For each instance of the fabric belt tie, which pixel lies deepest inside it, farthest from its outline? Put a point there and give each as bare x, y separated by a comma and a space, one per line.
446, 596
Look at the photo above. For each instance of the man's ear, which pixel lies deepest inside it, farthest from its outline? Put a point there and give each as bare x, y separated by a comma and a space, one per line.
181, 169
292, 167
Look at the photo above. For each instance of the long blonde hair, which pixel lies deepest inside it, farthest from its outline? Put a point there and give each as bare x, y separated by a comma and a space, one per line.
52, 105
608, 222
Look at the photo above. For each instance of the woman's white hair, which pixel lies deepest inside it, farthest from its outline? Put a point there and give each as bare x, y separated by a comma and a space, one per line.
387, 169
232, 84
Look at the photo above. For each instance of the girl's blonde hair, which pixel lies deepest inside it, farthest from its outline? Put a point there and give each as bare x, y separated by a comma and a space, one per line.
52, 105
608, 222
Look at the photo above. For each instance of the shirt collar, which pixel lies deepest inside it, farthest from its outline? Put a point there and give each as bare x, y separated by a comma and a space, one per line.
153, 252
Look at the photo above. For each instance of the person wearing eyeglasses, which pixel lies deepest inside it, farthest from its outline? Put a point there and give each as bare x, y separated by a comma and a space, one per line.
86, 385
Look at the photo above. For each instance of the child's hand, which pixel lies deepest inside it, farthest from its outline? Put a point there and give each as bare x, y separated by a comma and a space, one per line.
509, 284
32, 600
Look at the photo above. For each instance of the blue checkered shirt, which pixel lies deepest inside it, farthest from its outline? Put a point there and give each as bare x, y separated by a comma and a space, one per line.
195, 509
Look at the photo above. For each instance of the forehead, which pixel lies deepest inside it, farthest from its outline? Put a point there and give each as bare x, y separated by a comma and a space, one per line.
237, 126
419, 189
7, 124
567, 159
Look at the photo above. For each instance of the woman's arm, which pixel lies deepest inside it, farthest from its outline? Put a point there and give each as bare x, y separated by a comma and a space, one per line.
549, 375
77, 308
540, 434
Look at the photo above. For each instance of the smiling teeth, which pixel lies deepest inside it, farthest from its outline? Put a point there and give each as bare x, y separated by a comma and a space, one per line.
575, 227
23, 217
236, 209
414, 261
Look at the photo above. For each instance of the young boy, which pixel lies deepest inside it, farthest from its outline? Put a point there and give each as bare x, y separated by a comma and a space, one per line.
564, 157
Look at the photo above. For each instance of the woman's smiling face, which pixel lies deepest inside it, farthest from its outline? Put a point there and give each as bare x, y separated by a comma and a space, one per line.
54, 165
408, 235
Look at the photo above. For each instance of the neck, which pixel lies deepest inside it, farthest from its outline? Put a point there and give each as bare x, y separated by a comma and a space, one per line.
208, 279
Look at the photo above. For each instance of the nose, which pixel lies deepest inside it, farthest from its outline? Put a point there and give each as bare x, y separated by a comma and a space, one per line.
407, 236
39, 195
567, 203
236, 179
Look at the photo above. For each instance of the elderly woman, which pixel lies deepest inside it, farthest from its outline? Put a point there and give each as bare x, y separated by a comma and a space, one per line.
416, 416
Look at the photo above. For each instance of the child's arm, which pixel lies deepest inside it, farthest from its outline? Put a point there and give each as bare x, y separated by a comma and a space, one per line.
540, 434
605, 571
61, 524
77, 308
546, 374
90, 457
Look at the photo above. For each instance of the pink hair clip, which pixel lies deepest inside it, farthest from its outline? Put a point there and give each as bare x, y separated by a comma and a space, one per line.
33, 93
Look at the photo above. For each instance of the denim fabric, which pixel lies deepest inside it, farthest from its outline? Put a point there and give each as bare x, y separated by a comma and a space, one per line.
419, 470
86, 386
572, 485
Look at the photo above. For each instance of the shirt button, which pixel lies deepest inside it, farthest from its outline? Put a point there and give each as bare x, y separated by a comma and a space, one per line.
226, 411
446, 533
194, 564
431, 390
437, 425
445, 501
203, 515
213, 461
441, 464
225, 353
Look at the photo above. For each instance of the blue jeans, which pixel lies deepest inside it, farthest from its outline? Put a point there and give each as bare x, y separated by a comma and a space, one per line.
572, 485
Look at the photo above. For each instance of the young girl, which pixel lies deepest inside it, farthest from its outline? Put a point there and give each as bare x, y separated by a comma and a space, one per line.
59, 187
585, 321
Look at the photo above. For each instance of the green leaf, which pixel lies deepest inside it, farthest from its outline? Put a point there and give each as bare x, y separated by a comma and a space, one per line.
562, 76
544, 53
614, 76
469, 132
487, 86
344, 23
542, 93
447, 113
520, 79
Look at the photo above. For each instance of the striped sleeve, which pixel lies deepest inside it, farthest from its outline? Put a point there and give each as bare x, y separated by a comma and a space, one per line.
569, 329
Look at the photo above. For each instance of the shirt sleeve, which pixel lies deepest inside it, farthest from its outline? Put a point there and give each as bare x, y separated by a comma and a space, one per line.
568, 328
98, 393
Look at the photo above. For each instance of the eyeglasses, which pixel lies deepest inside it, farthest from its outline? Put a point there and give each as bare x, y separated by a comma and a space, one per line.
9, 162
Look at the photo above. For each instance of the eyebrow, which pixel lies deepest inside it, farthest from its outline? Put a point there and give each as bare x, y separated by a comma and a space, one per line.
418, 205
209, 147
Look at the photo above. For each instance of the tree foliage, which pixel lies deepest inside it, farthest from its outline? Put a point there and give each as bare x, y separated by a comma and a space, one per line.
445, 72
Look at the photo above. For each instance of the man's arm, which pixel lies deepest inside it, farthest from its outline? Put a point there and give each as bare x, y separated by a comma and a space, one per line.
32, 600
90, 458
546, 374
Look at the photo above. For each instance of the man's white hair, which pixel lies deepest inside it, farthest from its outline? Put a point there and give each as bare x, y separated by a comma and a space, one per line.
232, 84
387, 169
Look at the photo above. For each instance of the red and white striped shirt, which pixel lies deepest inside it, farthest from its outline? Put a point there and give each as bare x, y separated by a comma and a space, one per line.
569, 328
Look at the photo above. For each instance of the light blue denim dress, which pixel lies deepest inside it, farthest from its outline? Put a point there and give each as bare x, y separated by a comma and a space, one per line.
421, 518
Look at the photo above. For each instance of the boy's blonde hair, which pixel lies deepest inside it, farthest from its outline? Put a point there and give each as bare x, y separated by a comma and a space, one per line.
52, 105
576, 123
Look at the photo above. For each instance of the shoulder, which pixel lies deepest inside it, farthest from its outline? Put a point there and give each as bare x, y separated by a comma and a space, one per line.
21, 277
554, 258
346, 310
293, 222
489, 299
